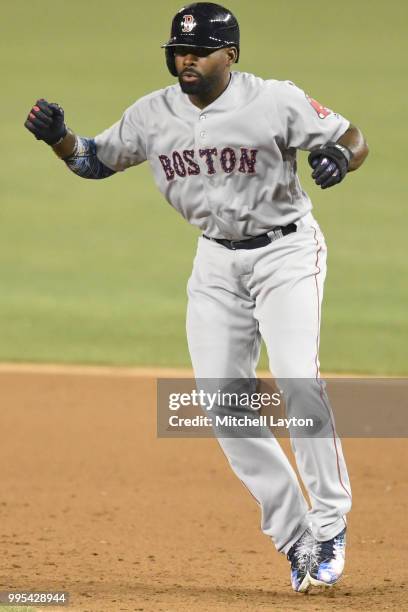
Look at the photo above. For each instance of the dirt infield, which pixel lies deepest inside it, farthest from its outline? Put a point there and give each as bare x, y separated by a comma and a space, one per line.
93, 503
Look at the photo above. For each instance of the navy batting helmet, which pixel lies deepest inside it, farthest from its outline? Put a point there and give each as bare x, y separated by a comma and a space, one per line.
202, 24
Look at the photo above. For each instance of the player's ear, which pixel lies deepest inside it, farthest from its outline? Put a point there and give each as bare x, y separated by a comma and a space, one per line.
231, 55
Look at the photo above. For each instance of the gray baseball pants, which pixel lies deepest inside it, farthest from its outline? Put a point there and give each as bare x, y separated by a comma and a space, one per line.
275, 292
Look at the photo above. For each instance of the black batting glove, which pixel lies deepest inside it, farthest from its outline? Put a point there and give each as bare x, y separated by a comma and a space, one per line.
330, 164
46, 121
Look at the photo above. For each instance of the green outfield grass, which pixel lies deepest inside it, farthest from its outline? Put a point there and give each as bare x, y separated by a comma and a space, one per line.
95, 272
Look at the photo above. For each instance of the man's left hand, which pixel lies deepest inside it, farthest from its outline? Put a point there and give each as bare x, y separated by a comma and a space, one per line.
330, 163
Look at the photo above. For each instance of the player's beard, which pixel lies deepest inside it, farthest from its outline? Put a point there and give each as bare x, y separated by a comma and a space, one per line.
201, 87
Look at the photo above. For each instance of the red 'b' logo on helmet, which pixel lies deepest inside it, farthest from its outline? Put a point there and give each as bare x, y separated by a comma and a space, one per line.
188, 23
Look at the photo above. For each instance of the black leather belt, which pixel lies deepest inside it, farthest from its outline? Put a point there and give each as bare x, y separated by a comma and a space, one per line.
257, 241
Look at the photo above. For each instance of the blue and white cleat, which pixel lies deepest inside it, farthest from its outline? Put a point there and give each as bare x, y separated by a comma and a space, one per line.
299, 557
327, 560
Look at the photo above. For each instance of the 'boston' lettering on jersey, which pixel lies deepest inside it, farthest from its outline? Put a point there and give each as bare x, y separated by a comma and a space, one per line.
183, 164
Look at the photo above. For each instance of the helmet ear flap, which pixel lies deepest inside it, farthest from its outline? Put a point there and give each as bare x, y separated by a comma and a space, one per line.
171, 64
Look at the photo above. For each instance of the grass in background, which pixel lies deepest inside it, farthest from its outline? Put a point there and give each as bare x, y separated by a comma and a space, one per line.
95, 272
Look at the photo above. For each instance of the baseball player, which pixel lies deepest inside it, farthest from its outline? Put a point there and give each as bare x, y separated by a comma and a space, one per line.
222, 147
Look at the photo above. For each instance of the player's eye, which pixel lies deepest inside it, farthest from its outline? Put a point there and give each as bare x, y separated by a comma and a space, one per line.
184, 51
202, 52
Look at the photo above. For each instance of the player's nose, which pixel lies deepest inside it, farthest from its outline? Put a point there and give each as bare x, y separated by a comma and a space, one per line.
190, 59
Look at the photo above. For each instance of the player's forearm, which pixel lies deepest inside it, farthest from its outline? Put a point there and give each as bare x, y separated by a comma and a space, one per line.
66, 147
354, 140
80, 155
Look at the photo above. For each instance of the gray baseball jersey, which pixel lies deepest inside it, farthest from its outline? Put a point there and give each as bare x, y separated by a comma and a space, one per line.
229, 169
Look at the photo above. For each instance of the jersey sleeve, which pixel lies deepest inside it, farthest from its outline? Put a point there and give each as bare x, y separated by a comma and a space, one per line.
306, 123
124, 143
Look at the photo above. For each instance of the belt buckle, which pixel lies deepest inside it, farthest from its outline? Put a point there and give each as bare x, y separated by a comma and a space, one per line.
232, 243
275, 234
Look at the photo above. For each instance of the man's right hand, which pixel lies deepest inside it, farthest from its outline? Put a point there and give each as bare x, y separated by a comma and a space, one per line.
46, 121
